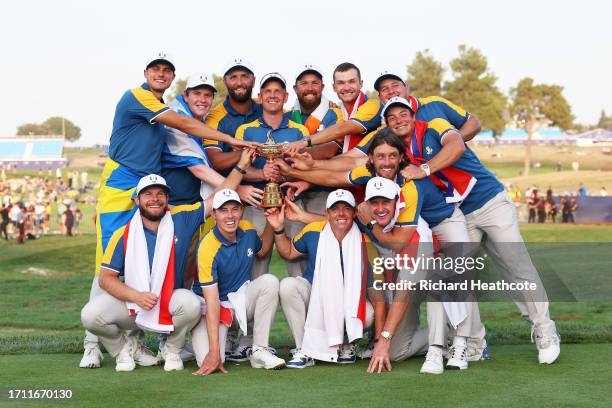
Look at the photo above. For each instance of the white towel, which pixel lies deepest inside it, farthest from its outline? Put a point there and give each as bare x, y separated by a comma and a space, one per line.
334, 298
140, 277
237, 301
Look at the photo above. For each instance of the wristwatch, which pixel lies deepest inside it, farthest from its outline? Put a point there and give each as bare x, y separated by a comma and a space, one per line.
386, 335
239, 169
370, 225
426, 169
308, 140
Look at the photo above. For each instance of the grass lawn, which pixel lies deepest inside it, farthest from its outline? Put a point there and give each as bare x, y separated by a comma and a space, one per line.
512, 378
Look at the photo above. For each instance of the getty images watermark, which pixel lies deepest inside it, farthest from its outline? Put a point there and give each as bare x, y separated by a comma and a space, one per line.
432, 273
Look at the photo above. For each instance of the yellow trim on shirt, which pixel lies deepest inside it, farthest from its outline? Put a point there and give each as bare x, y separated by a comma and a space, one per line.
148, 100
316, 226
411, 198
206, 256
112, 245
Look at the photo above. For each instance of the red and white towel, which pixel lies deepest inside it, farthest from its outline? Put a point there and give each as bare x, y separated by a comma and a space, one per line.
159, 279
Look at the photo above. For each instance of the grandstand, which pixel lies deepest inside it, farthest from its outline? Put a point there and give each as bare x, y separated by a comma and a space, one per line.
517, 136
32, 152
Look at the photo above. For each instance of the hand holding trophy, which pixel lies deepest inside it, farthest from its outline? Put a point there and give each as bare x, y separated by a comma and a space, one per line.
272, 196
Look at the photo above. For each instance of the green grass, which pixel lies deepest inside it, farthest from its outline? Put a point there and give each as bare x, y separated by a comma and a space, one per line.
512, 377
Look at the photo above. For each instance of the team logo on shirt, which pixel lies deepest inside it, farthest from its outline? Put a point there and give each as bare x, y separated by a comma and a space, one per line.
250, 252
428, 150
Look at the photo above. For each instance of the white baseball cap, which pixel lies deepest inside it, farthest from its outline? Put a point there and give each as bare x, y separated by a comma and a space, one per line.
381, 187
307, 68
200, 79
398, 101
238, 62
161, 56
384, 75
150, 181
223, 196
340, 195
272, 75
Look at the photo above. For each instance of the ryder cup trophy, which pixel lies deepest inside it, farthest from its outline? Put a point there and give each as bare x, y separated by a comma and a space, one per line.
272, 196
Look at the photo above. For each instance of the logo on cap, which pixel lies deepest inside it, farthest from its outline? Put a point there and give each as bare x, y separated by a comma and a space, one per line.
226, 193
378, 185
238, 60
162, 55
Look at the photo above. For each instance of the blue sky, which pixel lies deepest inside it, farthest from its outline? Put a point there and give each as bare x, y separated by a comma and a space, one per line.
76, 58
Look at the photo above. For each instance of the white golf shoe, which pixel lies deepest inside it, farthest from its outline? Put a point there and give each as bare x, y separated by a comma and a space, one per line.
144, 357
125, 358
433, 361
547, 341
262, 358
92, 357
173, 361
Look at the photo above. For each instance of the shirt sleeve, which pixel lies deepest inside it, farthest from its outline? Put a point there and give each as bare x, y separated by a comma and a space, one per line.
454, 114
360, 175
300, 242
364, 144
411, 201
438, 128
368, 115
114, 255
207, 264
214, 121
146, 105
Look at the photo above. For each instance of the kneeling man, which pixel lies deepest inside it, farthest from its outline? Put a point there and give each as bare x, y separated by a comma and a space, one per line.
225, 262
151, 296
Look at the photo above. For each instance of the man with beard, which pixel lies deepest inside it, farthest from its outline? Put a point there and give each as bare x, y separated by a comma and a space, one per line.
314, 111
389, 85
360, 113
135, 150
150, 252
437, 151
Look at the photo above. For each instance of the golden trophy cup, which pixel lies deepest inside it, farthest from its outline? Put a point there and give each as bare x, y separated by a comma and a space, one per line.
272, 196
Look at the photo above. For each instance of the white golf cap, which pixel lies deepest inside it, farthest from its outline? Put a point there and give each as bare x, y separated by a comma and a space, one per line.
381, 187
223, 196
340, 195
270, 76
161, 56
238, 63
200, 79
304, 68
150, 181
384, 75
398, 101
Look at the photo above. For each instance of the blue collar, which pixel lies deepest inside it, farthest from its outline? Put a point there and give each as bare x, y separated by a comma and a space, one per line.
255, 108
283, 125
225, 241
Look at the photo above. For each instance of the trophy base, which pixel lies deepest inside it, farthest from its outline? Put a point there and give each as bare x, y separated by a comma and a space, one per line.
272, 196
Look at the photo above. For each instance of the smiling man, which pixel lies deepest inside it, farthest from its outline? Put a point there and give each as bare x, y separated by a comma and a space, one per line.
135, 150
326, 308
229, 294
360, 113
438, 152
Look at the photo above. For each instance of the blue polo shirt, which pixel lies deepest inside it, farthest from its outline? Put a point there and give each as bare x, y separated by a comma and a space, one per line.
187, 220
227, 120
430, 108
225, 263
368, 114
258, 131
307, 241
487, 186
137, 139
